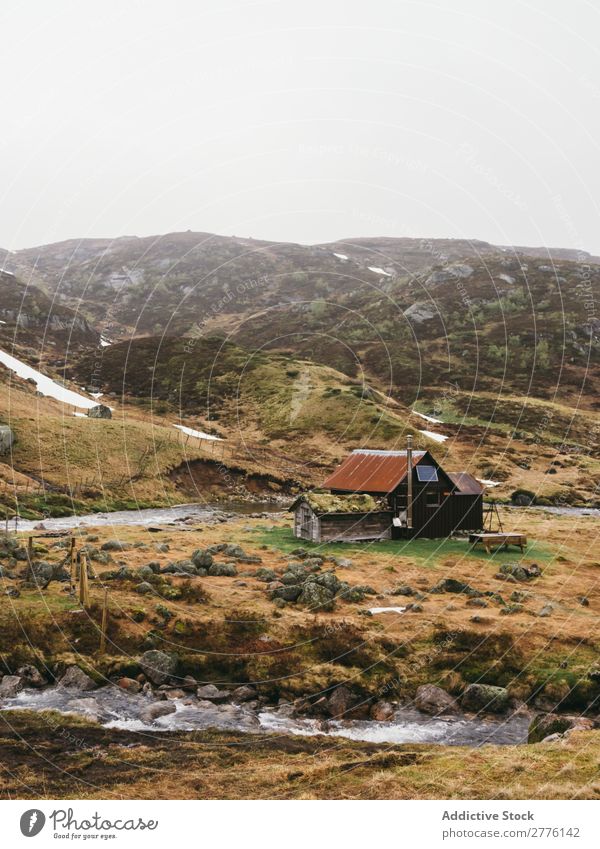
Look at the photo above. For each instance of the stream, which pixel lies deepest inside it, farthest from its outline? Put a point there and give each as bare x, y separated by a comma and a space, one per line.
178, 513
115, 708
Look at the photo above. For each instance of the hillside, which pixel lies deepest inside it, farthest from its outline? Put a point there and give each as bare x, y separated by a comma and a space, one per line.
318, 349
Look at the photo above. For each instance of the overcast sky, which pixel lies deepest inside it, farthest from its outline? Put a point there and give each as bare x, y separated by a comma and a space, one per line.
301, 120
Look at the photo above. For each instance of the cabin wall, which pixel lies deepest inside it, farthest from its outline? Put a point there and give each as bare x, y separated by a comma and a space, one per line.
306, 524
354, 527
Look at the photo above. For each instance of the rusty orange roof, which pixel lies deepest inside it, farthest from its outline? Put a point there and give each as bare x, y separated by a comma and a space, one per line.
465, 483
366, 470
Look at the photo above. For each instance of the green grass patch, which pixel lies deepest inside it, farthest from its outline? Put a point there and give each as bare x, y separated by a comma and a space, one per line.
426, 551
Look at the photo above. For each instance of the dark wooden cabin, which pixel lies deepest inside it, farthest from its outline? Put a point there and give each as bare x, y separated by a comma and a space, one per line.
434, 504
323, 517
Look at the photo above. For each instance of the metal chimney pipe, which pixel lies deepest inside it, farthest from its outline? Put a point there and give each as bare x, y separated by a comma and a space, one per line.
409, 482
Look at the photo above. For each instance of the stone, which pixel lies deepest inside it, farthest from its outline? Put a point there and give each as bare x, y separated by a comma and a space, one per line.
210, 693
545, 725
584, 601
7, 439
115, 545
476, 602
266, 575
158, 666
10, 686
129, 684
316, 597
245, 693
382, 711
189, 683
146, 572
434, 701
222, 570
520, 571
31, 676
289, 593
174, 693
452, 585
340, 702
156, 710
77, 679
162, 547
144, 588
202, 558
547, 610
403, 590
100, 411
485, 698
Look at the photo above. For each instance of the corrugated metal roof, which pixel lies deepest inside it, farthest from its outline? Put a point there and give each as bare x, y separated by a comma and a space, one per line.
367, 470
465, 483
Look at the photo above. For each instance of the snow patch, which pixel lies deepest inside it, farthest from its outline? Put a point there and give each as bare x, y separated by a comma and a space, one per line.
489, 483
376, 270
387, 609
428, 418
197, 433
104, 342
437, 437
341, 256
45, 384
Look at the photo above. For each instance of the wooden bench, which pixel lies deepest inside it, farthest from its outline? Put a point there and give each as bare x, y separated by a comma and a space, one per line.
498, 540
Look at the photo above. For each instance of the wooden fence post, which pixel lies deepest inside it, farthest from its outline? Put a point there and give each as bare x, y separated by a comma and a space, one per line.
104, 622
72, 569
84, 593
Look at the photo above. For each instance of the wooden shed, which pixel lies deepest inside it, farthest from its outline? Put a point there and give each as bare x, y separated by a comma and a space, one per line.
424, 499
325, 517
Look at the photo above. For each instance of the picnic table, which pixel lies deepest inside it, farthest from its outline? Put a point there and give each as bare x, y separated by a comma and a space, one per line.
498, 540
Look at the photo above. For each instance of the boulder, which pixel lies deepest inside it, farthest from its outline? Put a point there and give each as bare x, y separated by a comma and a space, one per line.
404, 589
546, 725
202, 559
129, 684
157, 710
485, 698
547, 610
434, 701
266, 575
10, 686
7, 439
76, 679
245, 693
144, 588
520, 571
158, 666
452, 585
316, 597
289, 593
31, 676
115, 545
222, 570
210, 693
340, 702
100, 411
146, 572
382, 711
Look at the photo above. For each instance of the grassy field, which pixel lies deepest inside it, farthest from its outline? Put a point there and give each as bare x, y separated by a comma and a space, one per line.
228, 631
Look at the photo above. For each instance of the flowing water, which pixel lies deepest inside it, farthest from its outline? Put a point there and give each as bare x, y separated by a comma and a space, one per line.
154, 515
115, 708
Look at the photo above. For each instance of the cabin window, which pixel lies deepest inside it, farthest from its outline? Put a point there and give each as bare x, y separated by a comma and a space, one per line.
432, 499
427, 474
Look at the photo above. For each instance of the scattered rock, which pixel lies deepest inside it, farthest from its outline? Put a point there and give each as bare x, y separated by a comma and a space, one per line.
100, 411
129, 684
477, 602
115, 545
202, 558
340, 702
222, 570
157, 710
77, 679
403, 590
210, 693
434, 701
546, 725
318, 598
31, 676
245, 693
158, 666
10, 686
144, 588
547, 610
485, 698
382, 711
520, 571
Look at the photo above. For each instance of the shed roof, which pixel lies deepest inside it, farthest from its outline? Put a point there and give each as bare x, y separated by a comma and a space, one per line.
465, 483
325, 502
366, 470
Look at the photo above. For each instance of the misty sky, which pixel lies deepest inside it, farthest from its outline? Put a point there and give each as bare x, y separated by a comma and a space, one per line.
301, 120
